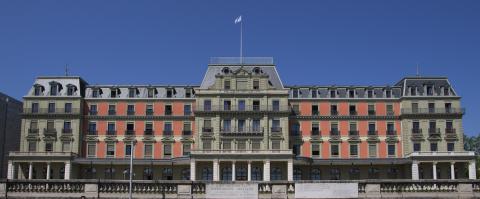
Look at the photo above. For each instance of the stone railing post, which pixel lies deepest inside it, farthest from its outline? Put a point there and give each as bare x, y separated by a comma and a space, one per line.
91, 190
372, 191
465, 190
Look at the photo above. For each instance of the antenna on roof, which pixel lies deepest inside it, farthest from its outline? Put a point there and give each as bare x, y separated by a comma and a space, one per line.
66, 69
418, 71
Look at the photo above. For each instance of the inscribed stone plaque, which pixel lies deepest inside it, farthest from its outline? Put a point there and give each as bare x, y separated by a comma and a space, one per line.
184, 190
326, 190
232, 191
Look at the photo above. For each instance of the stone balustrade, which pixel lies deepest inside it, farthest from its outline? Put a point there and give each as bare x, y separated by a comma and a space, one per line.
197, 189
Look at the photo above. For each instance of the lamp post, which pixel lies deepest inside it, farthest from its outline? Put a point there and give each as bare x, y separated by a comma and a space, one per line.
132, 149
4, 135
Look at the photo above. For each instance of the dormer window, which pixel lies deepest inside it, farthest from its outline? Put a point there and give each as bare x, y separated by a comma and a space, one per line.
151, 92
170, 92
257, 70
370, 93
114, 92
226, 84
226, 70
71, 90
53, 89
430, 90
295, 93
188, 92
333, 94
388, 93
446, 91
314, 93
256, 84
95, 93
413, 91
38, 90
351, 93
132, 92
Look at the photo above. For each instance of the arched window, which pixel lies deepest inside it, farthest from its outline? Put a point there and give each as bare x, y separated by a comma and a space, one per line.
207, 174
315, 174
148, 173
256, 174
276, 173
227, 174
38, 90
185, 174
335, 174
241, 173
71, 89
167, 174
354, 173
297, 174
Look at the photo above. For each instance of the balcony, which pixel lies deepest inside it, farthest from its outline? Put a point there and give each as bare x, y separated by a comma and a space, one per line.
129, 132
149, 112
420, 111
390, 113
391, 133
315, 132
334, 132
50, 132
186, 133
92, 132
51, 111
168, 112
67, 131
417, 134
148, 132
371, 112
112, 112
241, 131
353, 133
130, 112
92, 112
434, 132
372, 133
32, 131
111, 132
207, 129
353, 113
333, 112
167, 133
242, 108
315, 113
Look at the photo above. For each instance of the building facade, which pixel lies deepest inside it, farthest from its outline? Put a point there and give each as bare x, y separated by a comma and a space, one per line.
10, 118
242, 124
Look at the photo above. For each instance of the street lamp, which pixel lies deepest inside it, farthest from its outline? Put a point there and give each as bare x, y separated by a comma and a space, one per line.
132, 149
4, 134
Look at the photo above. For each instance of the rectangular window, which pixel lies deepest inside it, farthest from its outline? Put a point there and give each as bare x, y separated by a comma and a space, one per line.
315, 129
151, 93
256, 84
132, 92
446, 91
95, 93
241, 105
333, 94
34, 124
256, 105
207, 144
68, 107
429, 90
187, 109
32, 146
256, 145
110, 149
148, 151
66, 146
334, 150
296, 108
48, 146
334, 129
372, 130
130, 128
93, 109
188, 92
227, 145
149, 109
370, 93
388, 93
417, 147
351, 93
67, 127
113, 93
333, 110
241, 145
51, 107
226, 85
433, 147
315, 150
170, 93
448, 107
315, 110
50, 125
207, 105
276, 144
186, 149
130, 109
296, 149
167, 150
91, 150
391, 149
314, 93
111, 109
391, 128
38, 91
352, 109
353, 150
167, 128
227, 105
111, 128
53, 89
256, 125
371, 109
450, 146
148, 128
128, 150
34, 107
390, 109
431, 107
372, 150
413, 91
295, 93
275, 105
168, 109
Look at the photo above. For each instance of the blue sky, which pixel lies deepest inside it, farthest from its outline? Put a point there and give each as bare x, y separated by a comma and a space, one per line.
312, 42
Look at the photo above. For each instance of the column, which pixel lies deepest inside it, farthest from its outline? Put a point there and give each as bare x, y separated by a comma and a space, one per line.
452, 170
266, 170
233, 171
215, 170
68, 169
415, 170
48, 170
249, 171
21, 175
290, 170
10, 170
472, 173
192, 170
30, 170
434, 170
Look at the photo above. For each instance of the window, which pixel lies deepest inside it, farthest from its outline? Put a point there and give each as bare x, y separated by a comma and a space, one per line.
389, 109
111, 149
388, 93
167, 129
429, 90
391, 149
207, 144
227, 173
372, 150
53, 89
111, 128
448, 107
353, 128
93, 109
276, 173
296, 108
148, 151
95, 93
241, 105
114, 93
227, 105
256, 125
372, 128
333, 110
207, 174
68, 107
132, 92
167, 174
67, 127
352, 110
207, 105
353, 150
111, 109
256, 105
66, 146
170, 93
168, 109
50, 125
314, 109
295, 93
314, 93
34, 124
32, 146
128, 150
167, 151
148, 128
151, 92
371, 109
187, 128
241, 145
334, 129
297, 174
450, 146
370, 93
391, 128
51, 107
187, 109
256, 145
130, 128
91, 150
335, 174
149, 109
34, 107
351, 93
186, 149
241, 174
37, 91
226, 85
417, 147
315, 129
130, 109
296, 149
275, 105
48, 146
334, 150
315, 150
315, 174
227, 145
431, 107
256, 174
333, 93
276, 144
256, 84
446, 91
188, 92
413, 91
185, 174
433, 147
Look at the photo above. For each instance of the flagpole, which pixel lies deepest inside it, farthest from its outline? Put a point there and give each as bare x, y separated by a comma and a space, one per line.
241, 41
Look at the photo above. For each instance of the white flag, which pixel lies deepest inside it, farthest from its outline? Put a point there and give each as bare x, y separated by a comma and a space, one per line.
238, 19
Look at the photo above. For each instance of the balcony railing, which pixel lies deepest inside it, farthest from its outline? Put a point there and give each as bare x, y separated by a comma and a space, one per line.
92, 112
207, 129
372, 132
391, 132
130, 112
433, 111
67, 131
433, 131
149, 112
241, 131
315, 132
334, 133
51, 132
241, 108
148, 132
168, 112
129, 132
416, 131
112, 112
333, 112
371, 112
32, 131
111, 132
353, 133
353, 113
51, 111
187, 133
276, 129
167, 132
92, 132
